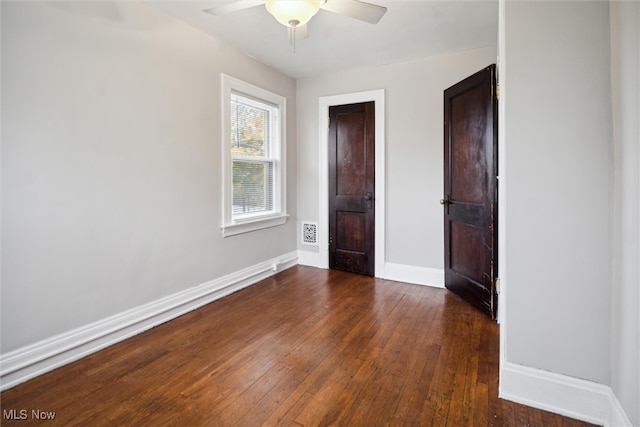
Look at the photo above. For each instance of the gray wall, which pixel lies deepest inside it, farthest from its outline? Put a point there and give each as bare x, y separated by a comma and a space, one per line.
111, 179
572, 191
625, 72
559, 169
414, 141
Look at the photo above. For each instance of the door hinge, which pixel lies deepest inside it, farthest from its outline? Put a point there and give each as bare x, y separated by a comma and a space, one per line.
496, 286
497, 90
328, 122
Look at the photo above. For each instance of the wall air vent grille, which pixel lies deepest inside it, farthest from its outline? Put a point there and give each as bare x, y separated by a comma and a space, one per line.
309, 233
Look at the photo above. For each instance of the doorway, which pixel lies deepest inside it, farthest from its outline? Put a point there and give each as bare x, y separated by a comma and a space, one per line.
352, 187
378, 97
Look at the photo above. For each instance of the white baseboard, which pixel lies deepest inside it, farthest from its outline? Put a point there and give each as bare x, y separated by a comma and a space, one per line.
28, 362
561, 394
398, 272
414, 274
311, 259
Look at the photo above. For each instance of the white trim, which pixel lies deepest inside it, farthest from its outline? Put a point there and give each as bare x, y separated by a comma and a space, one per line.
377, 96
561, 394
28, 362
253, 225
414, 274
617, 415
231, 226
308, 258
502, 183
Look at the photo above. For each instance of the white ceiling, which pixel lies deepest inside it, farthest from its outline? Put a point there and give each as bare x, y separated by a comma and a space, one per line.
409, 30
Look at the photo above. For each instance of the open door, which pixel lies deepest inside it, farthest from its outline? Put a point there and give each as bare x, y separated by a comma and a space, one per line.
470, 189
352, 187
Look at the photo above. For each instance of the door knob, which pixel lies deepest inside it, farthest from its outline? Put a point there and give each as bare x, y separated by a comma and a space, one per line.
445, 201
442, 202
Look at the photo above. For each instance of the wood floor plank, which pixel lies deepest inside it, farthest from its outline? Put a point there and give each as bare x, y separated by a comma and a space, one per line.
307, 347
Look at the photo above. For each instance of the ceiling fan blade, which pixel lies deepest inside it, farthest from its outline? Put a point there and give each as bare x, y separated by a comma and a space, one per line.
233, 6
366, 12
301, 32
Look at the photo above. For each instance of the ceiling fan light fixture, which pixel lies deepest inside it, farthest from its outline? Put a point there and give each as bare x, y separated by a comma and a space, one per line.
293, 13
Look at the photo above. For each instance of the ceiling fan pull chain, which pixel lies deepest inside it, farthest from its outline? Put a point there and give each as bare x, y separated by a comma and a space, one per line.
292, 37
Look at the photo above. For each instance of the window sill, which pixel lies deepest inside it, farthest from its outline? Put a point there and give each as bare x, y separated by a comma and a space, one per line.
253, 225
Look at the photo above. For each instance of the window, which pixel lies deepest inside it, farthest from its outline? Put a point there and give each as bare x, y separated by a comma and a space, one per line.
253, 152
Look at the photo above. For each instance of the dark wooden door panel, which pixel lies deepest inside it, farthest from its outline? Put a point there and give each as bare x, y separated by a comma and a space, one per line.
355, 240
351, 158
467, 257
468, 152
470, 188
351, 187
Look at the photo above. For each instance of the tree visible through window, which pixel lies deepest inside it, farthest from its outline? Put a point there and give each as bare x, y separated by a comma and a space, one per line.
252, 162
254, 193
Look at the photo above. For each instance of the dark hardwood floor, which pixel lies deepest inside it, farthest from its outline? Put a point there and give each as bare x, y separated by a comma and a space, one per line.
307, 347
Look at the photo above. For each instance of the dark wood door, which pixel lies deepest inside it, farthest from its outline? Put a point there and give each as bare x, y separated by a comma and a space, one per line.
352, 187
470, 189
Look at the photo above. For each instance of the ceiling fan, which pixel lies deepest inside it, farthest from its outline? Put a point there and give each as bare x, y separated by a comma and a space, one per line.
294, 14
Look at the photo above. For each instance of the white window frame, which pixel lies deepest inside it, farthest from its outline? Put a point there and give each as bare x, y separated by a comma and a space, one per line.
278, 215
